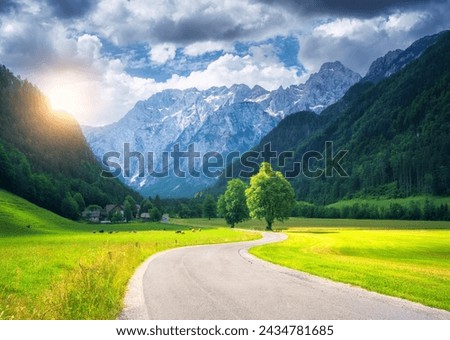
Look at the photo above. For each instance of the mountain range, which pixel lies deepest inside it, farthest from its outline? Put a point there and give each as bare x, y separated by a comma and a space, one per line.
226, 120
219, 119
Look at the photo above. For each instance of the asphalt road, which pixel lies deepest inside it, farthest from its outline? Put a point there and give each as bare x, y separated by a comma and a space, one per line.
222, 282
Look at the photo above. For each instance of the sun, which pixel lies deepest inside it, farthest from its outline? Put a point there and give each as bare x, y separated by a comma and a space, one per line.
65, 98
70, 93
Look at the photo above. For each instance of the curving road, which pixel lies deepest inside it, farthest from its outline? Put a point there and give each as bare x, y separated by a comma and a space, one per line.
222, 282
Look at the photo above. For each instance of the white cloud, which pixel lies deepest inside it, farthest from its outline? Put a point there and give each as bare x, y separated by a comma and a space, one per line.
405, 21
88, 47
360, 29
162, 53
203, 47
357, 42
261, 67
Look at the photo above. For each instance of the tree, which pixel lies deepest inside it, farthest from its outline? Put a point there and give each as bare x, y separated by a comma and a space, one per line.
127, 211
233, 203
158, 203
209, 207
146, 205
185, 211
80, 201
69, 207
270, 196
155, 214
116, 216
429, 210
6, 169
221, 206
132, 202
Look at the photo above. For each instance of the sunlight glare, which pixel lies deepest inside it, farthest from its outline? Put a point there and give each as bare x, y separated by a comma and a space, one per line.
69, 93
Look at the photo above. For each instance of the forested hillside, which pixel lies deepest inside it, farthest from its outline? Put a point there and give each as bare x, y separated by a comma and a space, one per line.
397, 134
44, 156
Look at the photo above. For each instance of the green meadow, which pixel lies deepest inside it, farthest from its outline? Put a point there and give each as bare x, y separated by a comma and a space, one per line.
53, 268
411, 264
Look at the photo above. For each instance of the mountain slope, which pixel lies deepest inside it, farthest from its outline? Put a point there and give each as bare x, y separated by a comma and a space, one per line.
44, 156
397, 134
396, 60
219, 120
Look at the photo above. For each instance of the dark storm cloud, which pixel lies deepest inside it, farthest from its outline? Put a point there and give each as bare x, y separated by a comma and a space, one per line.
32, 47
199, 27
7, 5
356, 8
66, 9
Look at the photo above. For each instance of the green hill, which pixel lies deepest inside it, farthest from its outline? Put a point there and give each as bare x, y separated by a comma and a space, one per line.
44, 156
397, 134
20, 217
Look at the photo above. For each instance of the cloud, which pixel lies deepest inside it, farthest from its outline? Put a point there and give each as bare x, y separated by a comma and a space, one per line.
185, 23
357, 42
260, 67
88, 47
26, 44
161, 53
67, 9
203, 47
7, 5
200, 27
96, 87
347, 7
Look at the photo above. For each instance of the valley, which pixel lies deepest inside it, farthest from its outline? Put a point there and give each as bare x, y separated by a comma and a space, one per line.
73, 234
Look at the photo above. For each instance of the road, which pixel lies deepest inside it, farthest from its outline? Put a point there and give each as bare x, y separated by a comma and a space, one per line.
223, 282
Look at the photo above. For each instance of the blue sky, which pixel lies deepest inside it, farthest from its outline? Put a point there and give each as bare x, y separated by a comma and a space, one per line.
285, 48
96, 59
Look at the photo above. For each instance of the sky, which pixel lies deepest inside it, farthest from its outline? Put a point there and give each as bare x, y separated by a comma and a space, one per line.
96, 59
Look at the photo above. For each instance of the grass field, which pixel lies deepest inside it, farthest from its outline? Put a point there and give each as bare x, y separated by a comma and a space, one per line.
407, 259
296, 222
53, 268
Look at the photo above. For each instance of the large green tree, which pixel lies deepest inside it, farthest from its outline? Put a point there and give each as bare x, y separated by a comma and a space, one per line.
232, 204
270, 196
